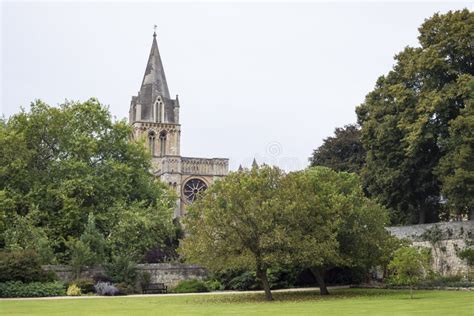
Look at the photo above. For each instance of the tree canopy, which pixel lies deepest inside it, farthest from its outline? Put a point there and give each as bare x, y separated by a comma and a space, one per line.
341, 152
235, 224
261, 218
409, 123
332, 224
60, 164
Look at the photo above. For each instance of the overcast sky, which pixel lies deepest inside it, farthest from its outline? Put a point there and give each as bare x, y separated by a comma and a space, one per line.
265, 80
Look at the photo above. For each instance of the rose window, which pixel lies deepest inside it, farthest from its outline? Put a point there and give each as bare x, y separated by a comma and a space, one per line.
192, 188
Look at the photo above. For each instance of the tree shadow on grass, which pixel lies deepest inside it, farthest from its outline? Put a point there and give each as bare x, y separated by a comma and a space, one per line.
338, 294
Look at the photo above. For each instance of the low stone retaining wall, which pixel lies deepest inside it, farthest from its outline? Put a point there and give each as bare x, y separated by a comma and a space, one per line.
453, 236
168, 273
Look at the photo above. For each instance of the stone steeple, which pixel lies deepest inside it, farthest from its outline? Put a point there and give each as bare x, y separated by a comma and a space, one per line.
154, 79
153, 102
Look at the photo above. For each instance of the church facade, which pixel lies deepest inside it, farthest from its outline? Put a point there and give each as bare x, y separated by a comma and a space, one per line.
154, 115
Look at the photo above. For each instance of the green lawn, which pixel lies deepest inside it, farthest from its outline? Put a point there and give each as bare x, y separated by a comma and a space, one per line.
341, 302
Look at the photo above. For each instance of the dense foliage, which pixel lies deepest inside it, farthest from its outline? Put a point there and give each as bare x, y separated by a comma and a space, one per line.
235, 224
341, 152
191, 286
417, 124
34, 289
261, 218
332, 224
73, 184
409, 266
24, 266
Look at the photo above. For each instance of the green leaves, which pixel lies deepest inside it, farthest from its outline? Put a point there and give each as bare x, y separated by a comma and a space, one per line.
263, 218
406, 119
343, 152
408, 266
70, 161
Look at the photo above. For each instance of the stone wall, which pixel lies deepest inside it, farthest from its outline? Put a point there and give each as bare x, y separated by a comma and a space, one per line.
168, 273
444, 240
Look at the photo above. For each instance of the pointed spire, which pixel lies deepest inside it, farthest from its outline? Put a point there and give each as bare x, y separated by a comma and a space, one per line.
154, 74
240, 168
254, 164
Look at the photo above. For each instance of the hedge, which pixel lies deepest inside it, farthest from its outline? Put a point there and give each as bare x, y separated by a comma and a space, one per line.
34, 289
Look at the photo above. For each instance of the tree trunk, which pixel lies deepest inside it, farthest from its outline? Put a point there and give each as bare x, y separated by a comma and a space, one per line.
262, 275
319, 275
471, 214
422, 216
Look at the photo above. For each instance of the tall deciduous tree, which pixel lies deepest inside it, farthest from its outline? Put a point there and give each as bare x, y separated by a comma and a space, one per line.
331, 223
456, 168
237, 223
342, 152
405, 120
70, 161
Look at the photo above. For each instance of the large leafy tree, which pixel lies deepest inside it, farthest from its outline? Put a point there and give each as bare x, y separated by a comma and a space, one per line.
70, 161
456, 168
237, 223
406, 119
341, 152
332, 224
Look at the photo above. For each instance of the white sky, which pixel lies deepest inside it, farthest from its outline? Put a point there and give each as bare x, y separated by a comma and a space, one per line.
265, 80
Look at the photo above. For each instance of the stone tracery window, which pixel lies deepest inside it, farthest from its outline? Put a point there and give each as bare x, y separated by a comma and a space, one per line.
192, 188
151, 142
162, 143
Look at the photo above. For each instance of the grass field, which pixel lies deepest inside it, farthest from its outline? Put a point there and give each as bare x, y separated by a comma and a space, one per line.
341, 302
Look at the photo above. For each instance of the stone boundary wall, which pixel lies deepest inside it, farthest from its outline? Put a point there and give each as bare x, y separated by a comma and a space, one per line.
454, 236
168, 273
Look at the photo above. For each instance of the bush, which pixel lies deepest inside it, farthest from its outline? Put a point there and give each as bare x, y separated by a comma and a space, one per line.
105, 288
34, 289
125, 289
86, 285
191, 286
445, 281
122, 270
468, 255
244, 282
214, 285
73, 290
24, 266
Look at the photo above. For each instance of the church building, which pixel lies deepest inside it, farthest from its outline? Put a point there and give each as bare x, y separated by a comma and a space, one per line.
155, 115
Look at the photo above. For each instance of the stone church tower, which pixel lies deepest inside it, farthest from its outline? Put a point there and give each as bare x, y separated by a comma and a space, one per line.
155, 115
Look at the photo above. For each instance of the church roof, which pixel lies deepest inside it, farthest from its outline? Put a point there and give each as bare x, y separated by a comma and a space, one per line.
154, 79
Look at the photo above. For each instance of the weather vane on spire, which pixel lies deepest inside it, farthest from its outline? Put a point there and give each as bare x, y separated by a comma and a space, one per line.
154, 28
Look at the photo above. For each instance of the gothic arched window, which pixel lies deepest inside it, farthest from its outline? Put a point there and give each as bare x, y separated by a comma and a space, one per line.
151, 142
162, 143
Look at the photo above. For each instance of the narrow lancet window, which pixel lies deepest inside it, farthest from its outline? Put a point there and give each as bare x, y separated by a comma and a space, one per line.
163, 143
151, 142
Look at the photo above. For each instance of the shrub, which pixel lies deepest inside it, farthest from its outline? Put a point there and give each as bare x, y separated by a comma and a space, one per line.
244, 282
125, 289
105, 288
122, 270
468, 255
445, 281
24, 266
34, 289
86, 285
191, 286
214, 285
73, 290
